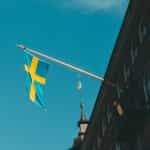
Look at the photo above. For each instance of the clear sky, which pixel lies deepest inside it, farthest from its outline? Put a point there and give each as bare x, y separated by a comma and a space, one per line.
81, 32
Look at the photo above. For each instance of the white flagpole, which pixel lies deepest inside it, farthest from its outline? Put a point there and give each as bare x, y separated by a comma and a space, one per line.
57, 61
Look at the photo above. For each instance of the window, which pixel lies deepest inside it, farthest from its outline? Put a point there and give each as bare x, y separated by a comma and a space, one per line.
141, 33
99, 141
139, 143
144, 31
118, 146
134, 53
109, 114
94, 147
126, 72
148, 87
118, 92
145, 90
132, 56
100, 128
103, 126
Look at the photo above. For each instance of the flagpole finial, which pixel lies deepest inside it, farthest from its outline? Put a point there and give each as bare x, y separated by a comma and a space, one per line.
21, 46
79, 85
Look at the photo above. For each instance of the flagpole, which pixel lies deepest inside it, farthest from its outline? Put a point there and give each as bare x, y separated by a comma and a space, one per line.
67, 65
72, 67
60, 62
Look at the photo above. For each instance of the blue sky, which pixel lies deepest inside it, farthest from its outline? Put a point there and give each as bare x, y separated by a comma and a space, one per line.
81, 32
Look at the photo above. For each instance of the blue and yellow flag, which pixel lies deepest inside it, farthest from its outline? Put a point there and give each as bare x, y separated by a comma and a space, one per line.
36, 71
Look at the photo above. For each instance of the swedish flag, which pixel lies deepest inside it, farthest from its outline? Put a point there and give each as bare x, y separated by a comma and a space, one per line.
36, 71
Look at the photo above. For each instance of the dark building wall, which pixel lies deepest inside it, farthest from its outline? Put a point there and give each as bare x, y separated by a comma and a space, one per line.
129, 69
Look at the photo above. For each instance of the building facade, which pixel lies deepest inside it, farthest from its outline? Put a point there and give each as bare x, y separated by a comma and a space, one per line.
121, 116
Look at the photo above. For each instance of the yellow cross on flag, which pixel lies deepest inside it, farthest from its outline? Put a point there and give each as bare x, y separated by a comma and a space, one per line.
36, 71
